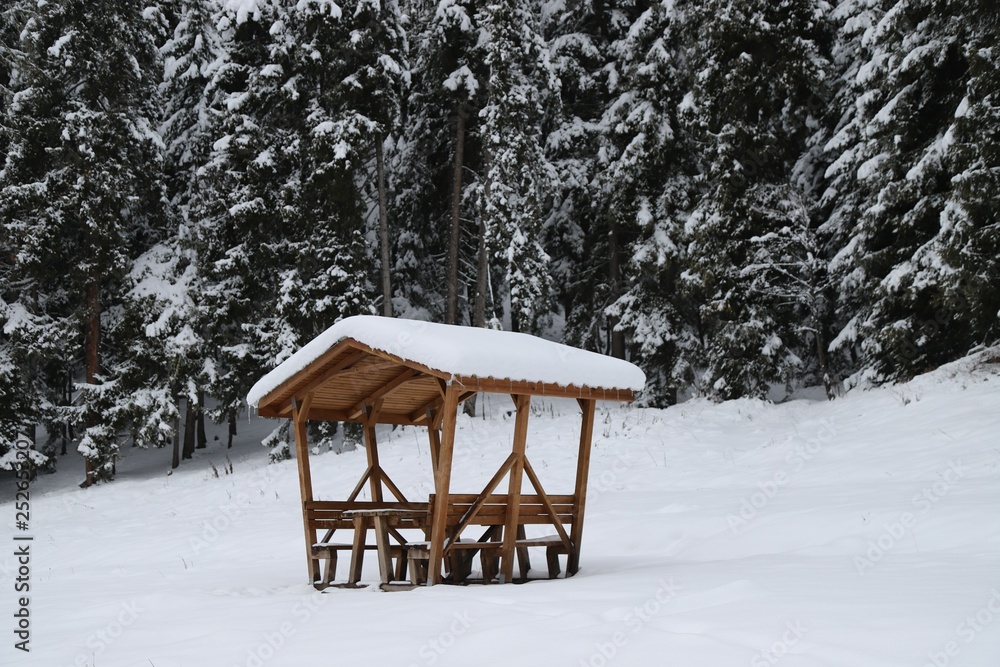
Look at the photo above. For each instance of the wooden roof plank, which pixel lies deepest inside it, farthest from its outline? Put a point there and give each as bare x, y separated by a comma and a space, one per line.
289, 389
384, 390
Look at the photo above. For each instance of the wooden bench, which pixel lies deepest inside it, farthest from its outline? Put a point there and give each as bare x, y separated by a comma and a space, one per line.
331, 516
492, 513
413, 557
489, 555
326, 553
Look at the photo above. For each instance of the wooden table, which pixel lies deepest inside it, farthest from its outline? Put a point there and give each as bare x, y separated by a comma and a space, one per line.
382, 520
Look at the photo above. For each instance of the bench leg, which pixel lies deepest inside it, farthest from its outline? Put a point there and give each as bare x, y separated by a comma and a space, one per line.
552, 556
523, 560
459, 566
330, 570
401, 561
489, 563
414, 571
417, 562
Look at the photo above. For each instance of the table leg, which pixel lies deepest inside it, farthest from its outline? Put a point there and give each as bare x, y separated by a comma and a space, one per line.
358, 551
382, 545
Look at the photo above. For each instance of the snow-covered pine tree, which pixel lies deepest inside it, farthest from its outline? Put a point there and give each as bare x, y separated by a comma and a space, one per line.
643, 195
241, 206
165, 361
8, 47
517, 177
580, 35
281, 204
80, 189
965, 255
340, 107
372, 86
192, 55
753, 68
14, 396
919, 242
439, 162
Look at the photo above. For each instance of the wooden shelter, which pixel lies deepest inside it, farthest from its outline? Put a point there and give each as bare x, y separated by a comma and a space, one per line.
375, 370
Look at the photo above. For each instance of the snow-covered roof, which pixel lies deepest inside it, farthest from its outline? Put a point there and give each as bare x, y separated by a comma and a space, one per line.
464, 352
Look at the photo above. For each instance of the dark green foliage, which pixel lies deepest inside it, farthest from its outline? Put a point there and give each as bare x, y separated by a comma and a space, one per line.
80, 194
516, 175
446, 77
919, 243
734, 194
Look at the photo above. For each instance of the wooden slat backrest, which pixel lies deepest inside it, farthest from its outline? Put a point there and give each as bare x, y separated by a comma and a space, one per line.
327, 514
345, 505
532, 510
501, 498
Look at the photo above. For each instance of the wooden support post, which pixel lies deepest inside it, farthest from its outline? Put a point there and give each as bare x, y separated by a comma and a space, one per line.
374, 473
580, 492
442, 485
371, 450
434, 435
299, 415
523, 403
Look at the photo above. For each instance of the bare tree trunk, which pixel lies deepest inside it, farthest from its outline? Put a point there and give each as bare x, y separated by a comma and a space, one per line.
232, 430
451, 309
482, 284
615, 282
479, 305
189, 430
482, 257
66, 428
202, 440
92, 355
383, 227
93, 338
176, 458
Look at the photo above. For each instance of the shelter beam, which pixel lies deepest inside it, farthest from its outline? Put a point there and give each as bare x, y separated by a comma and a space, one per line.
371, 450
299, 412
442, 485
523, 403
580, 491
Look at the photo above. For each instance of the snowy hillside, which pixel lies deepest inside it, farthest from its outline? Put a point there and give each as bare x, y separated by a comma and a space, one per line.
862, 532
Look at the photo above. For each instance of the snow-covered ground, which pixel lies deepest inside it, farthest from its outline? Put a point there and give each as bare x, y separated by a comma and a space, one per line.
863, 532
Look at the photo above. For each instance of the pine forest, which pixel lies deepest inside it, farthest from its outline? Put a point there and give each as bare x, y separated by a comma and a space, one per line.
744, 197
